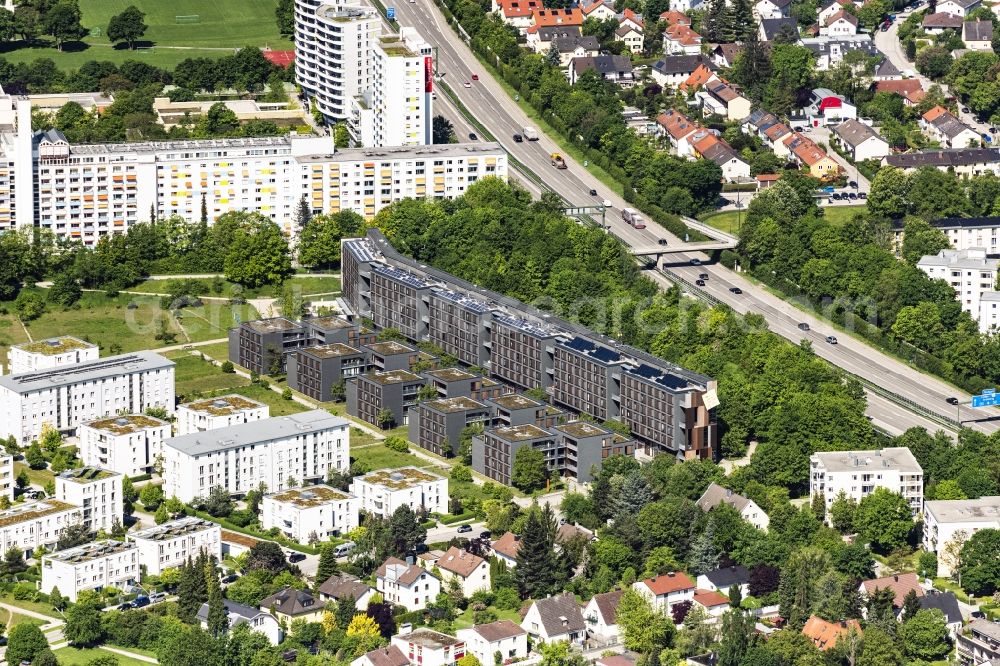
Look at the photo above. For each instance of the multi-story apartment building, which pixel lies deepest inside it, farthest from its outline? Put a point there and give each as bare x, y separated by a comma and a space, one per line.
970, 272
978, 643
587, 445
129, 444
948, 521
169, 545
69, 396
299, 447
963, 233
390, 355
35, 524
310, 514
383, 491
437, 425
220, 412
51, 353
314, 371
859, 473
333, 53
261, 345
458, 383
666, 407
92, 566
398, 108
393, 391
458, 325
98, 493
7, 477
515, 409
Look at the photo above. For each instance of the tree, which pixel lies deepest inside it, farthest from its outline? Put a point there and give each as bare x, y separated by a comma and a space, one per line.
219, 503
57, 600
258, 254
63, 22
934, 62
643, 628
979, 564
25, 642
443, 131
880, 649
921, 239
911, 604
128, 26
738, 636
529, 471
267, 556
884, 519
13, 561
161, 516
29, 306
888, 197
327, 564
842, 511
536, 560
75, 534
83, 621
192, 590
34, 456
925, 635
218, 619
65, 290
365, 631
151, 496
48, 658
404, 532
27, 22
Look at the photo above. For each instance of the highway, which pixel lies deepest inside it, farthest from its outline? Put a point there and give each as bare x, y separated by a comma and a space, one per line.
492, 107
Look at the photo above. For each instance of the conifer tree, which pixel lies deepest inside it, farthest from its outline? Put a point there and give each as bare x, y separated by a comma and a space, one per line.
218, 622
537, 566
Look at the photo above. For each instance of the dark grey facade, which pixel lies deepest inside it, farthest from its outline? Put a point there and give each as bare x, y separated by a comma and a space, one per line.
493, 452
521, 352
397, 300
586, 447
586, 378
314, 371
436, 425
458, 383
515, 409
459, 325
257, 344
395, 390
336, 330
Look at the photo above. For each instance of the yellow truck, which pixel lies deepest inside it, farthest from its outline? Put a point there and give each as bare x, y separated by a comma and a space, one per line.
558, 161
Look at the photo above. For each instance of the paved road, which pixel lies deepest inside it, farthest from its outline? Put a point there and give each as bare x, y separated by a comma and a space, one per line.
487, 101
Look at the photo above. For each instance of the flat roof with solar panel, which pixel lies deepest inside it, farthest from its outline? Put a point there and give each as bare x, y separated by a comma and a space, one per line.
400, 479
87, 474
400, 276
54, 346
20, 513
112, 366
91, 551
462, 300
173, 529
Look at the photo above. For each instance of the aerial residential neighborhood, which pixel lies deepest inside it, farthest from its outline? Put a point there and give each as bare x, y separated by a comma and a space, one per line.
460, 333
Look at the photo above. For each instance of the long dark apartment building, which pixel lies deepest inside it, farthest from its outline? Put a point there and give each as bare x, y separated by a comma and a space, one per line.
437, 425
257, 344
668, 408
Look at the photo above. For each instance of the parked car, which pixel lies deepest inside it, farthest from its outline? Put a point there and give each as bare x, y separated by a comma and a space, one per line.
853, 183
140, 601
831, 339
803, 326
853, 195
125, 606
485, 534
862, 195
296, 557
344, 549
736, 290
157, 597
231, 578
464, 529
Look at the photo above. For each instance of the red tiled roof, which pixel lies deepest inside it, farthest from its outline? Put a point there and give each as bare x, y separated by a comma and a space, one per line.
710, 598
842, 15
459, 562
507, 545
699, 77
629, 15
676, 124
667, 583
593, 7
768, 177
543, 18
824, 634
683, 34
900, 584
280, 58
935, 113
518, 8
675, 18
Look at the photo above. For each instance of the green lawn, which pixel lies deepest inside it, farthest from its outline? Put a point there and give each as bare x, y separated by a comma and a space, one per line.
307, 285
195, 375
464, 621
730, 220
106, 321
36, 607
379, 457
213, 319
278, 405
37, 477
69, 656
219, 351
70, 59
11, 333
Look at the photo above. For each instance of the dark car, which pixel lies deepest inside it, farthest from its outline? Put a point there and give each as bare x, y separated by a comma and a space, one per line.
853, 184
803, 326
703, 276
853, 195
296, 557
485, 534
736, 290
593, 192
125, 606
231, 578
831, 339
518, 138
696, 262
862, 195
662, 241
421, 548
700, 282
473, 137
140, 601
464, 529
952, 401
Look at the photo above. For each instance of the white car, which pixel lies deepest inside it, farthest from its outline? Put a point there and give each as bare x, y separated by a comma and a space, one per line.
606, 203
467, 84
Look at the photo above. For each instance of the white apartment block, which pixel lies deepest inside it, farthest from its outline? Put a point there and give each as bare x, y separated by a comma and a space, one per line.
129, 444
428, 647
51, 353
989, 312
92, 566
333, 53
34, 524
221, 412
948, 521
169, 545
968, 271
859, 473
398, 109
66, 397
310, 514
7, 476
383, 491
302, 447
98, 493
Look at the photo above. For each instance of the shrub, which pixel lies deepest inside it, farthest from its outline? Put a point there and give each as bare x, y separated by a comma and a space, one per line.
227, 367
397, 444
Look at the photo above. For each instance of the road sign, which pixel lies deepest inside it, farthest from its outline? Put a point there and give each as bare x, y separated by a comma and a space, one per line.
988, 398
989, 391
390, 13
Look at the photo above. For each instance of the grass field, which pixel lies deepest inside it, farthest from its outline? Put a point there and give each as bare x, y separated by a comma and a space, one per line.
308, 285
8, 619
69, 656
193, 374
166, 58
37, 477
213, 319
379, 457
11, 333
219, 351
278, 405
44, 609
727, 221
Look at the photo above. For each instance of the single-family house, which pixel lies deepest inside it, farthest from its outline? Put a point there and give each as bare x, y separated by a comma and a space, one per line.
911, 90
503, 636
699, 77
947, 603
681, 39
598, 9
554, 619
839, 24
575, 47
942, 126
715, 149
678, 129
805, 152
715, 494
935, 24
675, 18
505, 549
599, 614
830, 51
406, 585
831, 7
724, 55
471, 571
666, 590
615, 68
825, 635
389, 655
550, 18
722, 99
720, 580
236, 614
828, 108
516, 13
341, 587
631, 36
770, 9
861, 141
959, 7
289, 604
714, 603
900, 584
674, 70
630, 18
963, 161
978, 35
540, 40
781, 28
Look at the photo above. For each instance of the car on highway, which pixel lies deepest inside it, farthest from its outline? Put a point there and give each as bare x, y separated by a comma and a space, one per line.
475, 77
952, 400
700, 282
606, 203
661, 241
736, 290
703, 276
885, 27
831, 339
593, 192
296, 557
803, 326
467, 84
518, 138
464, 529
696, 262
473, 137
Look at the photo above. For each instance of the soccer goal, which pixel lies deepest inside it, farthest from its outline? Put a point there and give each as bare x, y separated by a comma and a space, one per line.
187, 18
